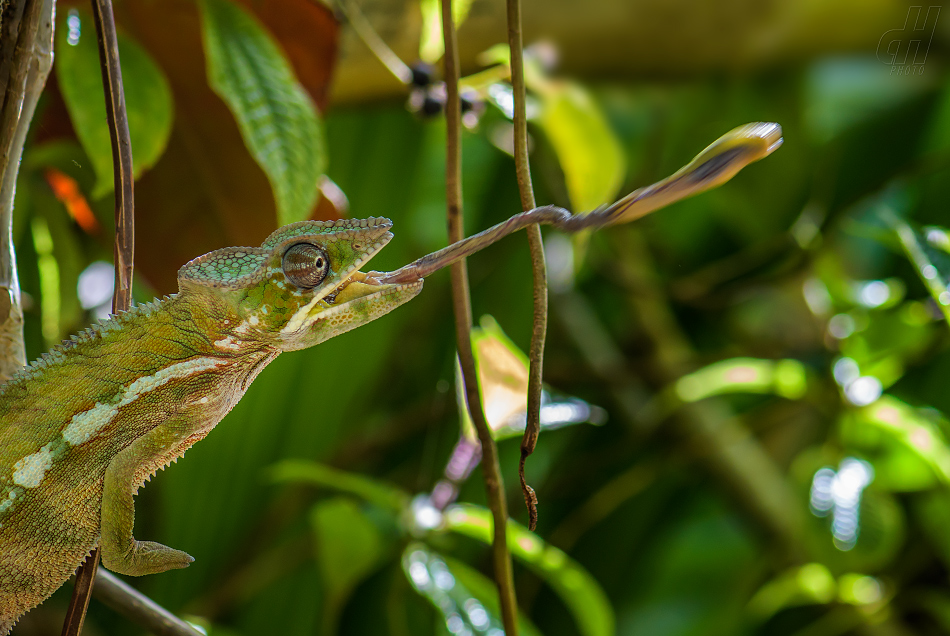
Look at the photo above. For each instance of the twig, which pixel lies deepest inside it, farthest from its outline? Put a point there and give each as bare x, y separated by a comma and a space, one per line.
538, 267
121, 153
124, 241
461, 302
715, 165
27, 57
139, 608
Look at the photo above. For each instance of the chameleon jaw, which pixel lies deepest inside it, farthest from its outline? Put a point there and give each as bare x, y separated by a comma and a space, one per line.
344, 293
357, 303
358, 289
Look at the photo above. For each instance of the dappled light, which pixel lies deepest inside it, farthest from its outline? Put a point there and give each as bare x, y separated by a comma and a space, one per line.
666, 344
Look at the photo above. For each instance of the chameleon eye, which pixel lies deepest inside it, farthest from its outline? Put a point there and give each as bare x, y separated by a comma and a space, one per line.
305, 265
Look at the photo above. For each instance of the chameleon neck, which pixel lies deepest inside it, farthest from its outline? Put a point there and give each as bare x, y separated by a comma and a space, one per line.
102, 362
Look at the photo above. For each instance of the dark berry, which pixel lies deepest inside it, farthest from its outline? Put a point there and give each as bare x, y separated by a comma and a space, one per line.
431, 106
422, 74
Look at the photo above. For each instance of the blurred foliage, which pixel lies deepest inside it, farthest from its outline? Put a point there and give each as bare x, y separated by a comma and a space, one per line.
148, 100
770, 356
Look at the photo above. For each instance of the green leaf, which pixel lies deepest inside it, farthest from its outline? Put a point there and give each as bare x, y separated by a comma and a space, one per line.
503, 383
349, 546
502, 377
907, 450
579, 591
786, 378
148, 99
813, 584
300, 470
809, 584
590, 155
929, 256
431, 46
465, 597
278, 121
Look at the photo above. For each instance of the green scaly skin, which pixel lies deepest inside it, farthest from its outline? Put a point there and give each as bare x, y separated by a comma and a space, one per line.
83, 427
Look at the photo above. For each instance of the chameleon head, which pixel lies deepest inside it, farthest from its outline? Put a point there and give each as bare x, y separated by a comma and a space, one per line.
303, 285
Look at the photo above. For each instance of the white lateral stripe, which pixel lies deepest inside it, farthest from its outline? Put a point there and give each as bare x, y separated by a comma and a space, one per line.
29, 471
86, 424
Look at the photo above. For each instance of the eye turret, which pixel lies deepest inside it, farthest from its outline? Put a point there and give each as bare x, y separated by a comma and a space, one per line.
305, 265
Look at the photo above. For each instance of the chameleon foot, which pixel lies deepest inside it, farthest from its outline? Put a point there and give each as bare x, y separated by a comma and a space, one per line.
147, 557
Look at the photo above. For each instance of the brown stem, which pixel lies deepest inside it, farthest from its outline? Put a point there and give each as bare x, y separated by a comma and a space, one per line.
461, 302
124, 241
520, 120
26, 55
121, 153
538, 267
139, 608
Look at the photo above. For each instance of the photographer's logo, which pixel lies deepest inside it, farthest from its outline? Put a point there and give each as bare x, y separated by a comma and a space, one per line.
905, 49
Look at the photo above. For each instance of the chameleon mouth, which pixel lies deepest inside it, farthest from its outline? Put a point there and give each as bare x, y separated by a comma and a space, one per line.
350, 289
358, 286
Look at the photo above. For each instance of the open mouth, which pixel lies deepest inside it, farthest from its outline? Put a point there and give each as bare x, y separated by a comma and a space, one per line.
356, 286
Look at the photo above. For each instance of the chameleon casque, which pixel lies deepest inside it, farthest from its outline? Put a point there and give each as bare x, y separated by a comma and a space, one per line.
145, 385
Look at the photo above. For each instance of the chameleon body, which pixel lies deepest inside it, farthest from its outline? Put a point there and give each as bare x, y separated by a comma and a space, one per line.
83, 427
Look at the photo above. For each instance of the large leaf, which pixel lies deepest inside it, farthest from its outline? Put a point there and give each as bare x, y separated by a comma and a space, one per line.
467, 599
503, 382
373, 491
906, 447
278, 121
148, 100
579, 591
348, 548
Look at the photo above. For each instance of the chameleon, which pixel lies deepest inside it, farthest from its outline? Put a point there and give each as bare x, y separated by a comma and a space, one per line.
87, 424
146, 384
